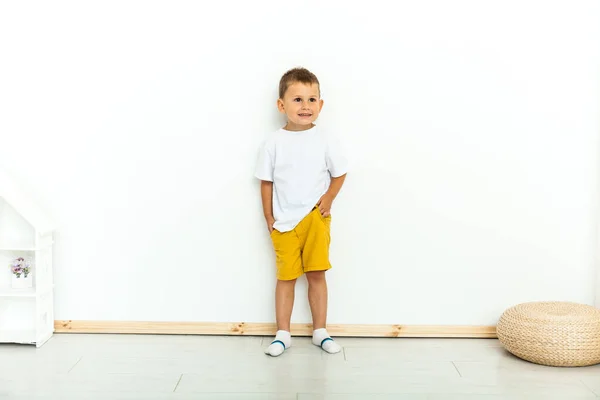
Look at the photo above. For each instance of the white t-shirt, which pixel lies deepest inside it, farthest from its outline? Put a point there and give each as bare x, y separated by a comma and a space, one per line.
300, 165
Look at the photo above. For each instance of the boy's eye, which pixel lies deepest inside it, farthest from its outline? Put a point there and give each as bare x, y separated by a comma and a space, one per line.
297, 99
313, 99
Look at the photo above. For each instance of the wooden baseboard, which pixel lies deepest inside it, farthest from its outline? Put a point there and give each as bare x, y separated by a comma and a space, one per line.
264, 329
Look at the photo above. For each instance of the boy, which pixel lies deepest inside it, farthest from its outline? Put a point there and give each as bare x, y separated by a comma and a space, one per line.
301, 171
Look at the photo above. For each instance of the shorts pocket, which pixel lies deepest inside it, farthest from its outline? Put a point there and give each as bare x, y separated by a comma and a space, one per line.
326, 219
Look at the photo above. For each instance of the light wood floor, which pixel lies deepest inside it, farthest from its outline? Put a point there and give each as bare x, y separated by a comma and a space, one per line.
78, 366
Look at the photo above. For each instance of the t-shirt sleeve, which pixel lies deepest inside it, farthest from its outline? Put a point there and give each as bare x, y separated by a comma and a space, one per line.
337, 162
264, 164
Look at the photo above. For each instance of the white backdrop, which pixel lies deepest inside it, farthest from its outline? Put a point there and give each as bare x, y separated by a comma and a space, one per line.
472, 129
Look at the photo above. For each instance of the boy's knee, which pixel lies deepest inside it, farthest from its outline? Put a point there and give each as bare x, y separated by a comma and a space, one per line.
315, 277
286, 282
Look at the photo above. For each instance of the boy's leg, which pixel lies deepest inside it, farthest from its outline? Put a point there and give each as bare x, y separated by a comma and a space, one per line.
284, 303
289, 267
317, 298
316, 262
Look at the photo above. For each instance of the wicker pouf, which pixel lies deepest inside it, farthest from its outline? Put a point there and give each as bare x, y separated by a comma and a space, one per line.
561, 334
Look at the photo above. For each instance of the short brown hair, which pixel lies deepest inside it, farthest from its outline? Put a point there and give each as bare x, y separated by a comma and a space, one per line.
301, 75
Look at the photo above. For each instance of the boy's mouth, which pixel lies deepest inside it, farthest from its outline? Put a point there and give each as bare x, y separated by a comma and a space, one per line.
305, 115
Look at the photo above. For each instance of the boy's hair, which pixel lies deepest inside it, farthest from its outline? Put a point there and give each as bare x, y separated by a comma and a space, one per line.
301, 75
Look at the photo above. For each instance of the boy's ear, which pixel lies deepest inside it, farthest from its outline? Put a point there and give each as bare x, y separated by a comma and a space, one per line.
320, 105
280, 106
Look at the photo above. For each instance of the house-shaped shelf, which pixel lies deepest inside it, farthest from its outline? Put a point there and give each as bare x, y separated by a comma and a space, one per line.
26, 231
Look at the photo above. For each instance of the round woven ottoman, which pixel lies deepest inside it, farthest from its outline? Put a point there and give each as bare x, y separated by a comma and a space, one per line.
560, 334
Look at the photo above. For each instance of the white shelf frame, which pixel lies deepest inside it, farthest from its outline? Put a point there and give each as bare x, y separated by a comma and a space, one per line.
40, 297
20, 336
22, 249
28, 292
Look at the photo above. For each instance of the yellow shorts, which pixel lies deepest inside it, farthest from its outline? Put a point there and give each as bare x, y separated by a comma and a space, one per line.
303, 249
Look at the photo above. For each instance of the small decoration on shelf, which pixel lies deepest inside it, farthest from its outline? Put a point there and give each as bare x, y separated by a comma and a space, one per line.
20, 267
21, 273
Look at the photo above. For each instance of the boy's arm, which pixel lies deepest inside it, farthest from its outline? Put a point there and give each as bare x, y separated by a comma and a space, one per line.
266, 193
334, 188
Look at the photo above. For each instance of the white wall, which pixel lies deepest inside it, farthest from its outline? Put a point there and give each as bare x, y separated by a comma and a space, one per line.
472, 128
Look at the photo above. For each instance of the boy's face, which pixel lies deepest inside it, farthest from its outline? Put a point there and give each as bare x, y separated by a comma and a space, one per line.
301, 104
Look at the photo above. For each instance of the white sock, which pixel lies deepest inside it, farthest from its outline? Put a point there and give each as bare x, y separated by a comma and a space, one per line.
283, 340
322, 339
